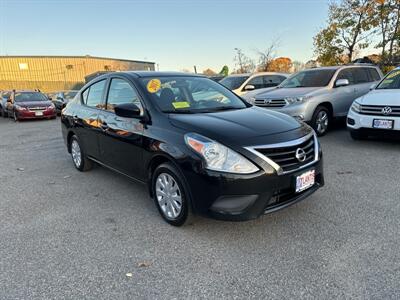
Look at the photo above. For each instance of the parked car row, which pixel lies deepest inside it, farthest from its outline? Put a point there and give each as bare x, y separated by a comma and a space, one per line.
319, 95
22, 105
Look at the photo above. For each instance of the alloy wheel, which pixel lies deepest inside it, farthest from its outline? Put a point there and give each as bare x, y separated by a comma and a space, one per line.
169, 196
322, 122
76, 153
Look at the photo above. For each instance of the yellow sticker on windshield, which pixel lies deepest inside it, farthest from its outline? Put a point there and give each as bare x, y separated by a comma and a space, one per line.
153, 86
182, 104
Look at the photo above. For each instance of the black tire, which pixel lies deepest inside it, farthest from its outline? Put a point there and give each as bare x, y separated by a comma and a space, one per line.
185, 214
357, 135
319, 127
15, 117
84, 164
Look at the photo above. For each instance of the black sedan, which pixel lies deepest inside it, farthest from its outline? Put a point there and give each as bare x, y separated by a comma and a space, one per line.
198, 146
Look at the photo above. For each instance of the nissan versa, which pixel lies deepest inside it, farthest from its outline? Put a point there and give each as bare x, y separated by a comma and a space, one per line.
215, 155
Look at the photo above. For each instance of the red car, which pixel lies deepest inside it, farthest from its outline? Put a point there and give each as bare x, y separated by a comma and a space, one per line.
23, 105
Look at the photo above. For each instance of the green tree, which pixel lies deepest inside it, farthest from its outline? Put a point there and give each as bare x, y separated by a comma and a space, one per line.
224, 71
326, 47
349, 28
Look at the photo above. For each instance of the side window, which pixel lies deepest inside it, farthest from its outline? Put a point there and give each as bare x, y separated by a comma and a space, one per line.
95, 91
346, 74
373, 74
360, 75
121, 92
257, 82
272, 80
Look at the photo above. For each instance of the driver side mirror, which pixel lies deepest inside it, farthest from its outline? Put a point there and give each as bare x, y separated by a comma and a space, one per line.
342, 82
127, 110
249, 87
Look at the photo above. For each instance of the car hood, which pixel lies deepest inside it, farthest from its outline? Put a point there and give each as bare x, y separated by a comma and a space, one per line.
280, 93
34, 103
254, 93
237, 126
381, 97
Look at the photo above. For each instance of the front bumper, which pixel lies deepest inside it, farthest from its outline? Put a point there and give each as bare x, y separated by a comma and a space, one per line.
23, 114
245, 197
300, 111
357, 121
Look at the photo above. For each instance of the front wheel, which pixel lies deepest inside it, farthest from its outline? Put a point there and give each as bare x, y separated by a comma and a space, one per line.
15, 117
321, 120
170, 194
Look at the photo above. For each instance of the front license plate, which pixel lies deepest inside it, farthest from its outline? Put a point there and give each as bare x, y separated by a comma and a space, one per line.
383, 124
38, 113
305, 181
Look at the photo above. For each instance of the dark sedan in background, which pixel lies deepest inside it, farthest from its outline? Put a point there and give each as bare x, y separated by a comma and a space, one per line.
61, 99
21, 105
216, 156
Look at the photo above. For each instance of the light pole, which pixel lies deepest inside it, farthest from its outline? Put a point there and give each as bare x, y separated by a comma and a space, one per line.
239, 54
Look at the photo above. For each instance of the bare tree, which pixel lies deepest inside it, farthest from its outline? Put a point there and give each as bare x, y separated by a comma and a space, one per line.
267, 56
245, 64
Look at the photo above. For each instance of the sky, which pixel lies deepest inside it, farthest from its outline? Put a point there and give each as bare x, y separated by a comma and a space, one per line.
175, 34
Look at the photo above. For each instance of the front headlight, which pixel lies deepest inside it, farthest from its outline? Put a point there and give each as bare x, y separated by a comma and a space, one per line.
17, 107
251, 100
218, 157
356, 106
293, 100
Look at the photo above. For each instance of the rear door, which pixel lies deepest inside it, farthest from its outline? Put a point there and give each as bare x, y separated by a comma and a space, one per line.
363, 81
121, 138
86, 118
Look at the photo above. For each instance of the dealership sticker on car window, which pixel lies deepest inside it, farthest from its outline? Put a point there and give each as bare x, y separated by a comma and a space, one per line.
153, 86
182, 104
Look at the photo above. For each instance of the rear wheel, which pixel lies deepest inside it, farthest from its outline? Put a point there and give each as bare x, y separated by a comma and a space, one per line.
321, 120
170, 194
80, 160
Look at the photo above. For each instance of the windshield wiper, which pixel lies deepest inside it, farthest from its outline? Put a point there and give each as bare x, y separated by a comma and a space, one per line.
181, 111
224, 108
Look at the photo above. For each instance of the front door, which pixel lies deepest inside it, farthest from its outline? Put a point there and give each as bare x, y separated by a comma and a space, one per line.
343, 96
121, 138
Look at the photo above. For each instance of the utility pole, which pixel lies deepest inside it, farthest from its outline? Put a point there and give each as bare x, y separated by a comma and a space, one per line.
195, 69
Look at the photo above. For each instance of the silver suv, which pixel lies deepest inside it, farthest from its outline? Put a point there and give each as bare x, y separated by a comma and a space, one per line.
318, 95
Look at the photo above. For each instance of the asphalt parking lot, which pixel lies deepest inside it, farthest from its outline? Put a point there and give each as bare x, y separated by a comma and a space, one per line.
66, 234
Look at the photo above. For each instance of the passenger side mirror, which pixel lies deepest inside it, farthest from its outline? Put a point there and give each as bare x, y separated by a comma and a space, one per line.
342, 82
249, 87
127, 110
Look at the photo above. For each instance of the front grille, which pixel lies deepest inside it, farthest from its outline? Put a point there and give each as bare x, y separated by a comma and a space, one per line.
272, 103
376, 110
285, 156
37, 108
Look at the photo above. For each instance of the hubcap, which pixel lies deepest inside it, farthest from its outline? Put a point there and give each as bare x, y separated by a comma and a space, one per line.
168, 195
322, 121
76, 153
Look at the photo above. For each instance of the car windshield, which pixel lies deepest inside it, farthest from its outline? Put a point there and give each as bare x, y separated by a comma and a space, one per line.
309, 78
70, 95
29, 96
233, 82
391, 81
190, 95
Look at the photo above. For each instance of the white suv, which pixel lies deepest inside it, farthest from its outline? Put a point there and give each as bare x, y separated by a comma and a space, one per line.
240, 84
379, 110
